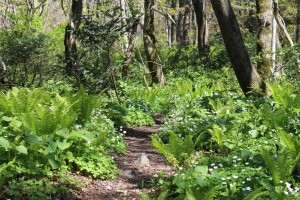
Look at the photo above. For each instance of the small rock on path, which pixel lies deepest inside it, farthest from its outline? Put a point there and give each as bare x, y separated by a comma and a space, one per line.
137, 167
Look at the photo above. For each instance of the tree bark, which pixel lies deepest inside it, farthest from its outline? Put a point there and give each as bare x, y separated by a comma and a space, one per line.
264, 38
199, 7
71, 54
3, 72
150, 44
246, 74
130, 48
173, 26
298, 23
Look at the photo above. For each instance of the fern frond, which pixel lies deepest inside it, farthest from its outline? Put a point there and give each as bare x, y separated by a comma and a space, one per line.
257, 194
210, 194
272, 165
287, 142
7, 165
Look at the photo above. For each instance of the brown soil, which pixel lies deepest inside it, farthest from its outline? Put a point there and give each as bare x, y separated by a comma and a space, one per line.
132, 180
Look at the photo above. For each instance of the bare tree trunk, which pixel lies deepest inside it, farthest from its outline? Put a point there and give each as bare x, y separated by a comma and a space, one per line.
276, 67
3, 72
173, 26
179, 26
281, 25
124, 17
264, 38
71, 54
199, 6
150, 44
186, 23
130, 48
298, 23
246, 74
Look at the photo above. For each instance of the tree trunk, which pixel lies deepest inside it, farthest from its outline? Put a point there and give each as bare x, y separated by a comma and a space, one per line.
246, 74
298, 24
71, 55
186, 23
264, 38
173, 26
150, 44
130, 48
3, 72
277, 69
199, 7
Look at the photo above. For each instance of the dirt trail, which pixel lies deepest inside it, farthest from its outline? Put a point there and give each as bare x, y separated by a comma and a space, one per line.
133, 179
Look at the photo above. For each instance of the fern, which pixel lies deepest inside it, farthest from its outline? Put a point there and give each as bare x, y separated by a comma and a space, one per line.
177, 151
283, 95
218, 135
281, 167
292, 144
84, 104
210, 194
7, 165
256, 194
49, 117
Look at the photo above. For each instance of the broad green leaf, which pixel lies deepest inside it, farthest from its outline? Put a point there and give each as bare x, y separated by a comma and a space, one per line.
189, 195
88, 136
63, 133
32, 139
50, 146
246, 153
202, 181
16, 124
253, 133
75, 135
22, 149
4, 143
63, 145
202, 169
52, 161
215, 174
7, 119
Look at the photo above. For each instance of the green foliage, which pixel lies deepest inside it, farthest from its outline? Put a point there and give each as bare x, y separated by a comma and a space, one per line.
137, 117
123, 116
84, 104
220, 122
45, 131
39, 188
177, 151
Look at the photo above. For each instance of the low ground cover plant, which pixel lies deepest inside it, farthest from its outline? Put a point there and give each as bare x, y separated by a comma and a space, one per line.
224, 146
46, 136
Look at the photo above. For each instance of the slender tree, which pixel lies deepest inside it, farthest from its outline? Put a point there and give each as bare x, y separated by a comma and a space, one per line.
71, 54
264, 37
246, 74
298, 23
131, 37
199, 7
150, 44
173, 25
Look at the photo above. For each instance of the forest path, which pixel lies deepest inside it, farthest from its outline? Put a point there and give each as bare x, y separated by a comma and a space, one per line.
133, 178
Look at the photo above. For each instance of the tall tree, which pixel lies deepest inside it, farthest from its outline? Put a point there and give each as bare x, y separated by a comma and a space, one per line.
246, 74
133, 15
182, 26
173, 25
71, 54
264, 37
150, 44
199, 7
298, 23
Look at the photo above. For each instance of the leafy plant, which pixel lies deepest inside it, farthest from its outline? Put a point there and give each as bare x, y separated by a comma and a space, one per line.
177, 151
